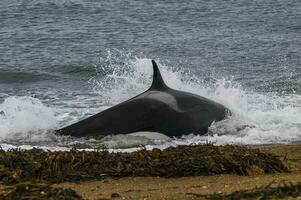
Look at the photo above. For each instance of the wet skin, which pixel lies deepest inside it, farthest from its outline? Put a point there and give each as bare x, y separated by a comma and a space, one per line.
159, 109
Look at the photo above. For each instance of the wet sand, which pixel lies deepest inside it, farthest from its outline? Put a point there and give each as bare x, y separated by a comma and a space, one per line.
191, 187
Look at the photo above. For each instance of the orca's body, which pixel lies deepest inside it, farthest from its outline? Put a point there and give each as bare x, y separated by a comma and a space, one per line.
159, 109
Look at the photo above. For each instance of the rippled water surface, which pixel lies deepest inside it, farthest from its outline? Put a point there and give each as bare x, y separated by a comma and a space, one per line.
64, 60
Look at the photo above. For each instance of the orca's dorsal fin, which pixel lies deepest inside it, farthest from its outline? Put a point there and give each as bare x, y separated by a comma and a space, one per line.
158, 82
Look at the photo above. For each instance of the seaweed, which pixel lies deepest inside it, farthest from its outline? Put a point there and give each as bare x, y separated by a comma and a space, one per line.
18, 165
280, 192
31, 191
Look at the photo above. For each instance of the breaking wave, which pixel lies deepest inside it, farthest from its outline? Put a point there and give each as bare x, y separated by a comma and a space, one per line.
258, 118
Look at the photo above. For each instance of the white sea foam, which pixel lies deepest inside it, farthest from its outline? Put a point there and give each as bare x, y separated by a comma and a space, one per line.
257, 118
23, 117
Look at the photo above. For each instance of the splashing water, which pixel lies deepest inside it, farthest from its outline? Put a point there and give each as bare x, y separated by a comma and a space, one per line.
21, 116
257, 118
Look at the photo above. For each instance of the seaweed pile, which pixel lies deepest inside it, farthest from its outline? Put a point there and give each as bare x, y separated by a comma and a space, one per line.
29, 191
280, 192
37, 165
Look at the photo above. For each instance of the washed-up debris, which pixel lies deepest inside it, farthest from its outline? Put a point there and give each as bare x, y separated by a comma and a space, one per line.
27, 165
283, 191
30, 191
115, 195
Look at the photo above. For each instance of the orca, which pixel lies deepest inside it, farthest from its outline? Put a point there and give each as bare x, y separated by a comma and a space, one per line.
160, 109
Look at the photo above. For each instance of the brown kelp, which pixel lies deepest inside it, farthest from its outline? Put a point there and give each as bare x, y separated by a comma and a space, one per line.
26, 165
31, 191
283, 191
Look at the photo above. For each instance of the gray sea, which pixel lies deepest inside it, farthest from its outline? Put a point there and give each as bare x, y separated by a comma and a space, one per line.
64, 60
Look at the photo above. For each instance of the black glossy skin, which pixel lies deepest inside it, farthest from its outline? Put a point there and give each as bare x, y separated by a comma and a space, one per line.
159, 109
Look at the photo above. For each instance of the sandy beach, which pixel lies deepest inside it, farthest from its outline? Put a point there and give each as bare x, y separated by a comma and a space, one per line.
191, 187
40, 185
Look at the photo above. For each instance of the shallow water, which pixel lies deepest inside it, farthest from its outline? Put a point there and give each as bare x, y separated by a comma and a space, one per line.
62, 61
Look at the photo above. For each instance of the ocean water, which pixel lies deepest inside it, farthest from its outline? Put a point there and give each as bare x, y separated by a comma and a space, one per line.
64, 60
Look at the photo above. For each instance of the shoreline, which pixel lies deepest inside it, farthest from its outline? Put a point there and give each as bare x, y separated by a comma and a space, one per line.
191, 187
